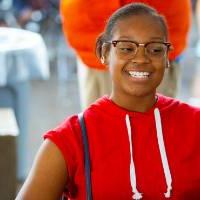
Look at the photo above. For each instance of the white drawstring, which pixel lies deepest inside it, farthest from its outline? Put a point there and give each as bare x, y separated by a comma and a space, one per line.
161, 144
136, 194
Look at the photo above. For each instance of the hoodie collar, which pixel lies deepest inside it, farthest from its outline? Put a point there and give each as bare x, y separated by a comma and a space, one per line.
111, 108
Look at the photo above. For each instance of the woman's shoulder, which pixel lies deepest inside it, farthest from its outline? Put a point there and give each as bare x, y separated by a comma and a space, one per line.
187, 107
68, 123
177, 106
66, 134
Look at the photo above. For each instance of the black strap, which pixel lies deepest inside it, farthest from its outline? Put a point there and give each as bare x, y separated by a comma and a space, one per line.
86, 157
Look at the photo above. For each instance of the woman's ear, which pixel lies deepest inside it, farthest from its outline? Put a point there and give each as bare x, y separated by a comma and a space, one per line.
105, 54
168, 65
103, 60
171, 48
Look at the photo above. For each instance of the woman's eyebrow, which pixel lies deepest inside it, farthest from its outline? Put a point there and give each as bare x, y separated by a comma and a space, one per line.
132, 39
157, 38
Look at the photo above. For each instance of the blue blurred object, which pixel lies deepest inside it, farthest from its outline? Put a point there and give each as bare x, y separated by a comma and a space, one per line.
16, 96
19, 5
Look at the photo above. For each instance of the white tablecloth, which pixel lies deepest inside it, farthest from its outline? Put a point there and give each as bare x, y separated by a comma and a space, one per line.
23, 56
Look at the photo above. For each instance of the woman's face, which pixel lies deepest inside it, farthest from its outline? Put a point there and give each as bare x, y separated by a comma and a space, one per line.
139, 74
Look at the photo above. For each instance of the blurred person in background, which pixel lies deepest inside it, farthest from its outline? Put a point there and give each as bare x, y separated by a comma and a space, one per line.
24, 9
82, 25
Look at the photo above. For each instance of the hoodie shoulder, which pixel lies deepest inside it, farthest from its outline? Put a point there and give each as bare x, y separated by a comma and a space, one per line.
169, 104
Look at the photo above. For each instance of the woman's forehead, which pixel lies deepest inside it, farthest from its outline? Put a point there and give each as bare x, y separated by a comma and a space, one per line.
139, 25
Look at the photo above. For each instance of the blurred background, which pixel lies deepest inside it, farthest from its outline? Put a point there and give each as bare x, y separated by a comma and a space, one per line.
44, 77
37, 80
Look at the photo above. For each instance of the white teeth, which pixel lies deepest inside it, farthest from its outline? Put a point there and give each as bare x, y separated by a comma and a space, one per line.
139, 74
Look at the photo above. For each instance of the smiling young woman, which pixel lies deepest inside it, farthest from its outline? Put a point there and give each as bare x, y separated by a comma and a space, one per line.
136, 52
136, 138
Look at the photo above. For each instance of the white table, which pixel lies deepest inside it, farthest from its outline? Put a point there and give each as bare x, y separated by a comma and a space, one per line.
23, 57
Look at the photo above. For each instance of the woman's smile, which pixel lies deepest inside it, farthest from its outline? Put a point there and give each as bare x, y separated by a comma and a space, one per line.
140, 76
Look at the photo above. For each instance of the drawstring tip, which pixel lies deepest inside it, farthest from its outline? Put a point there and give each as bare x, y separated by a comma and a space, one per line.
137, 196
168, 193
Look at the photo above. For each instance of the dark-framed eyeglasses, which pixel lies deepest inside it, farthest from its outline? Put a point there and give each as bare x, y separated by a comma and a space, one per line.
127, 49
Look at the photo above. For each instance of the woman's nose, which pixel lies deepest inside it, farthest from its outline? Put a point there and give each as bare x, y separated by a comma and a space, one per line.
140, 55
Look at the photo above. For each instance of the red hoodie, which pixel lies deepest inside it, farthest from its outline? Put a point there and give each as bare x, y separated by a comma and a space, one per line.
112, 152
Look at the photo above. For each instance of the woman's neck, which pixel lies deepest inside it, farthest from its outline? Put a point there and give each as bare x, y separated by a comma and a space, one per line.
135, 103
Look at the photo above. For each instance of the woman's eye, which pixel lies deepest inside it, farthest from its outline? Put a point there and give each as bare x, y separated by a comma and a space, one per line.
125, 49
156, 50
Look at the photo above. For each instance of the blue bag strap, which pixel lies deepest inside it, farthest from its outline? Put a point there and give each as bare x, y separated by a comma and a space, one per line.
86, 157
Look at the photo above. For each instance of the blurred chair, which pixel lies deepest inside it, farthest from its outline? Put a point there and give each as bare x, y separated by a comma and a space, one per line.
8, 133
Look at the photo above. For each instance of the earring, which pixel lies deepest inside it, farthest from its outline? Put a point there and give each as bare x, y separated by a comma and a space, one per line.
168, 64
103, 60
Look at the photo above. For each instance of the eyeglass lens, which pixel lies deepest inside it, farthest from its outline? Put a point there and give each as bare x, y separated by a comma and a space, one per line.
154, 49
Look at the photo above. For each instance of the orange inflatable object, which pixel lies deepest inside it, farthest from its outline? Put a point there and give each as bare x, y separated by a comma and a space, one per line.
83, 21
